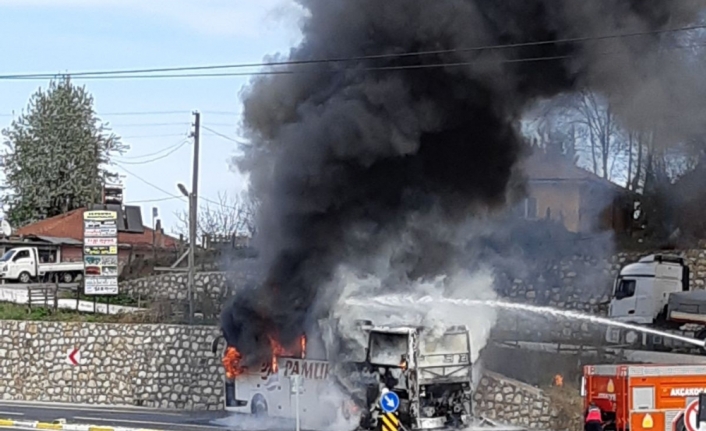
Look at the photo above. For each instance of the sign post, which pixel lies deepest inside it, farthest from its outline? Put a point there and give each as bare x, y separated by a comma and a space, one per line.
296, 390
100, 252
390, 402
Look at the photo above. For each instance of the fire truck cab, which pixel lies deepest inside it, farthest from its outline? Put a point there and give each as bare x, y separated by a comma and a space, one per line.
645, 396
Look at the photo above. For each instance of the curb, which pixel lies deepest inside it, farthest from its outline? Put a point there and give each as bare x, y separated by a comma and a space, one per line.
62, 426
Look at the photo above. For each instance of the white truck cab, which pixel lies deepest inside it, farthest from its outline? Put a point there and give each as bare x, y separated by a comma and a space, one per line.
641, 290
25, 264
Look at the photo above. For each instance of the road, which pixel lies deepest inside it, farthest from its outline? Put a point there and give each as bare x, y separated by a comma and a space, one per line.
118, 416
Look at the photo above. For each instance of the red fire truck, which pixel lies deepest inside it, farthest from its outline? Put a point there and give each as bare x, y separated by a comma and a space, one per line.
646, 396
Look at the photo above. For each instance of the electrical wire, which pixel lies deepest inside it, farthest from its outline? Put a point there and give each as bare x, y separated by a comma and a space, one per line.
154, 186
145, 113
121, 126
152, 200
165, 155
97, 74
158, 152
220, 124
220, 134
363, 69
169, 195
168, 135
220, 113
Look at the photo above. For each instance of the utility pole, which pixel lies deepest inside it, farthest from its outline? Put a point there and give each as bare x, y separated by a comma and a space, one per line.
193, 215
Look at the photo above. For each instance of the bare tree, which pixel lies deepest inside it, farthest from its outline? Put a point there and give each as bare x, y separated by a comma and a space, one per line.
228, 215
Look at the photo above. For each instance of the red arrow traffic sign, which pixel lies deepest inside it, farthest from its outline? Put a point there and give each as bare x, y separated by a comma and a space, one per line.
73, 357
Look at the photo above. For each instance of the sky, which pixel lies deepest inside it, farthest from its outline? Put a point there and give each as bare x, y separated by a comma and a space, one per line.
153, 116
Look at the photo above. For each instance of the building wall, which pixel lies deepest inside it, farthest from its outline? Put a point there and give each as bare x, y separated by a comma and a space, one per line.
599, 209
562, 199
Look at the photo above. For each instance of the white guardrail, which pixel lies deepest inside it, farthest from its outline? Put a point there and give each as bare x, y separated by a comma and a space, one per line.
59, 425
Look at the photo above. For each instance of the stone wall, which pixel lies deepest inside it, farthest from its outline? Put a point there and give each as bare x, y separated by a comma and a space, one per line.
161, 366
171, 367
173, 286
512, 402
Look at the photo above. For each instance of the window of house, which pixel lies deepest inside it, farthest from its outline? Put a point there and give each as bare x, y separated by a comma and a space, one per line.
625, 289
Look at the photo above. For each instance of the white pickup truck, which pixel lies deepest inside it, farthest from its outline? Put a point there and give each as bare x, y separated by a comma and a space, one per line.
25, 264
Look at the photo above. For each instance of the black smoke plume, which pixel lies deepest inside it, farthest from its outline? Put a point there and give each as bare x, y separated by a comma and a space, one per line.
347, 157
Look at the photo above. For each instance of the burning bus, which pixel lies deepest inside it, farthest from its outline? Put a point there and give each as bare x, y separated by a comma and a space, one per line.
430, 372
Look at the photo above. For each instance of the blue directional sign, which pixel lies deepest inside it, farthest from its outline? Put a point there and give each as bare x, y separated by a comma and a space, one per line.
390, 402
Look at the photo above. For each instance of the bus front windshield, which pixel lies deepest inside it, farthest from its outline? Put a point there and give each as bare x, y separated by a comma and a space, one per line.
7, 256
387, 349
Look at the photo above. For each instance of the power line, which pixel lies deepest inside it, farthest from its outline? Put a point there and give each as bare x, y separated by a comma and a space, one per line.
222, 124
165, 155
169, 195
152, 136
153, 200
142, 156
364, 69
156, 187
144, 113
220, 134
114, 126
132, 72
220, 113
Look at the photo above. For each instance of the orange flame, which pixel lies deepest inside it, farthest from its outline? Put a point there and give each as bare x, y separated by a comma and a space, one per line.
279, 350
231, 363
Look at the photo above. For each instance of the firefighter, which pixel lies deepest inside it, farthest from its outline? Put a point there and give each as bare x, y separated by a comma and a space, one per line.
594, 419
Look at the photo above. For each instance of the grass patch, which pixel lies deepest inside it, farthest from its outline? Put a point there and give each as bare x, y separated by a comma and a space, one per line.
11, 311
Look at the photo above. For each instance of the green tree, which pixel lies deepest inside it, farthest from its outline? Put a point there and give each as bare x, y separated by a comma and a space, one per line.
57, 154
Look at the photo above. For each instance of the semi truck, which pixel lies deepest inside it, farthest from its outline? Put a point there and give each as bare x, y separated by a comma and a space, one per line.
654, 291
431, 374
27, 264
647, 396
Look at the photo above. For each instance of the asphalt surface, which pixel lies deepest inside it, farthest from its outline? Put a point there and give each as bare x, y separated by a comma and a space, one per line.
119, 416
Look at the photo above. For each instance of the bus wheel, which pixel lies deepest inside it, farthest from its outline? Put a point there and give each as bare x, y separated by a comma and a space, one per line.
259, 406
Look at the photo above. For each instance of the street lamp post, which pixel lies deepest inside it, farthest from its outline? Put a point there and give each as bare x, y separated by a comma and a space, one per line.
192, 249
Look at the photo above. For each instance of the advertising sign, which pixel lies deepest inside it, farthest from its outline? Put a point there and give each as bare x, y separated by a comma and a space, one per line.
100, 252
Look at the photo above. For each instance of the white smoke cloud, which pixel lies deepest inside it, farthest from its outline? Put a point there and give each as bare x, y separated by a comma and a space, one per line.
359, 289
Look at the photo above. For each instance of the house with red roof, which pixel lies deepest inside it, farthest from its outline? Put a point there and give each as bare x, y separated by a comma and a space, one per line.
134, 239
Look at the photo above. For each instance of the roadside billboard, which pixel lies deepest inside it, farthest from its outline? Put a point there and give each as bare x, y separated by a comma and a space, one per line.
100, 252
